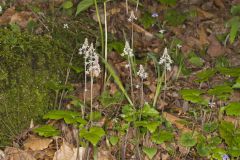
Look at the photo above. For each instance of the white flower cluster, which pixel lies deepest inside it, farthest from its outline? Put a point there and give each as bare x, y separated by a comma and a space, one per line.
166, 60
132, 17
0, 9
91, 59
127, 50
141, 73
65, 26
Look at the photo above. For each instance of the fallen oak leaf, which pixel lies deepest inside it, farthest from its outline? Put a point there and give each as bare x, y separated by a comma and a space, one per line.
17, 154
37, 143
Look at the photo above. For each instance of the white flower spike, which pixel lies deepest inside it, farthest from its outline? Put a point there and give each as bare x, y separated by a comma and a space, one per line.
65, 26
93, 67
141, 73
84, 49
166, 60
127, 50
132, 17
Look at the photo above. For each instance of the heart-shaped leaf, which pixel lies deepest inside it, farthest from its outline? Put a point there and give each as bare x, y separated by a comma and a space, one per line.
150, 152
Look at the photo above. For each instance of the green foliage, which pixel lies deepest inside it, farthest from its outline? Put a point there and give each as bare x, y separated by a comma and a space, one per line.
150, 152
94, 134
168, 2
233, 72
113, 140
128, 113
84, 5
197, 61
231, 136
237, 84
205, 75
67, 4
47, 131
202, 149
117, 46
150, 125
234, 24
147, 20
187, 140
233, 109
210, 127
194, 96
222, 92
68, 116
108, 100
235, 10
162, 136
28, 62
174, 17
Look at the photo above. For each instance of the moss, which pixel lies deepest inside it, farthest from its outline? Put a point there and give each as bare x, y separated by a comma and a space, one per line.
27, 63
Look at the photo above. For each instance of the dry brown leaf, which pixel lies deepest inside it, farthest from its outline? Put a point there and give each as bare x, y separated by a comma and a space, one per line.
67, 152
37, 143
22, 18
6, 17
215, 49
176, 121
105, 155
139, 29
219, 3
204, 14
17, 154
203, 39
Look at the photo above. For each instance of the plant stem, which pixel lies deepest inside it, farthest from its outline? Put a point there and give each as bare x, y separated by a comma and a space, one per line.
106, 47
91, 104
126, 6
131, 76
158, 90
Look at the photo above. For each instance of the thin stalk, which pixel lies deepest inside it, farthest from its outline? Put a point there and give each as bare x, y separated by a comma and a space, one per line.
126, 6
101, 32
137, 5
158, 90
56, 99
106, 47
131, 77
66, 80
77, 139
85, 87
165, 82
91, 103
95, 150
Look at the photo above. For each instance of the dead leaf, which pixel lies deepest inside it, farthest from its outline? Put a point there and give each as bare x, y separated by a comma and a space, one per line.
176, 121
105, 155
6, 17
67, 152
204, 14
22, 18
139, 29
17, 154
37, 143
215, 49
203, 39
2, 155
219, 3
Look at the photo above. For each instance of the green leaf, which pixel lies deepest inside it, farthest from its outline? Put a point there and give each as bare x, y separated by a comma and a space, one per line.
47, 131
226, 130
147, 20
237, 84
149, 111
197, 61
205, 75
217, 153
233, 109
114, 140
117, 46
151, 126
235, 10
203, 149
67, 4
94, 135
187, 140
128, 113
84, 5
174, 17
108, 100
68, 116
233, 72
234, 26
95, 116
150, 152
234, 151
210, 127
193, 95
222, 91
162, 136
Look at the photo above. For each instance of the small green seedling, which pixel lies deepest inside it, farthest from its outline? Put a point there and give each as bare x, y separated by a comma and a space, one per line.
150, 152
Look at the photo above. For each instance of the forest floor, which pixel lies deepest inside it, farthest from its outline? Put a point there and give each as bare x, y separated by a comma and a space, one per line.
185, 105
